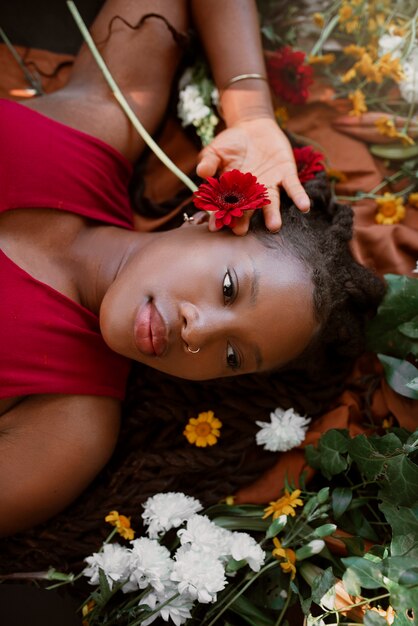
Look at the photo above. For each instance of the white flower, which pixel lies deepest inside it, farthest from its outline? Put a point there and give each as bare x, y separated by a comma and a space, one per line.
205, 536
415, 271
409, 85
178, 610
286, 430
168, 510
191, 108
243, 546
390, 43
113, 560
199, 576
186, 78
150, 564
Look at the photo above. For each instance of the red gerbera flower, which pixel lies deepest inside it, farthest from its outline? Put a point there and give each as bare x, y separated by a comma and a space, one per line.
230, 195
288, 76
309, 162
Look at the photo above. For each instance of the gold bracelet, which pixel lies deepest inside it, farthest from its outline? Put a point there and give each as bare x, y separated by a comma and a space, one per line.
236, 79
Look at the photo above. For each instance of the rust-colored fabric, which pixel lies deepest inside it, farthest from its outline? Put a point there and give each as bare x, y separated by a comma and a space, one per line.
385, 249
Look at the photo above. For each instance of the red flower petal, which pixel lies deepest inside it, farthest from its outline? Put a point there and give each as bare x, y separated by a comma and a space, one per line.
308, 162
289, 78
230, 195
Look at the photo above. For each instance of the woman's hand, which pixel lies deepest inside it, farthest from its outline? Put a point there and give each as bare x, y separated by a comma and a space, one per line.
258, 146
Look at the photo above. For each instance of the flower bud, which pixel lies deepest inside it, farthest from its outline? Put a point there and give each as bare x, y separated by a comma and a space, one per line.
313, 547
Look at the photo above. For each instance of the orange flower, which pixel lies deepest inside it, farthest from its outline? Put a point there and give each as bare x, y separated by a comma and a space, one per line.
289, 556
203, 430
391, 68
87, 608
285, 505
122, 523
391, 209
349, 75
282, 116
359, 102
336, 175
318, 20
354, 50
321, 59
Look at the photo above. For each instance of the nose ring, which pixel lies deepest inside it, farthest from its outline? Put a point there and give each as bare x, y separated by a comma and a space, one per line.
193, 351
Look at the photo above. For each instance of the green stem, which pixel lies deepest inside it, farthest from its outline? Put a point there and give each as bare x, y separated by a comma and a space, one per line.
35, 84
124, 103
285, 606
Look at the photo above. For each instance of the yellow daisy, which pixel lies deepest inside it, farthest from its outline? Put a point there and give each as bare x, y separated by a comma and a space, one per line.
321, 59
386, 127
122, 523
285, 505
289, 556
318, 20
391, 209
203, 430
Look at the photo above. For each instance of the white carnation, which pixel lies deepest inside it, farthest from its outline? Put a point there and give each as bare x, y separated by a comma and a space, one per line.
191, 108
205, 536
244, 547
178, 610
113, 559
198, 576
390, 43
150, 564
415, 271
168, 510
409, 85
286, 430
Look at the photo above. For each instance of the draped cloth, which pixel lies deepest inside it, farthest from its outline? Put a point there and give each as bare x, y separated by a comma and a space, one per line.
384, 249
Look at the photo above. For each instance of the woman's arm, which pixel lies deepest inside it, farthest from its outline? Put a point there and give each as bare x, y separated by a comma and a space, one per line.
230, 33
51, 448
143, 62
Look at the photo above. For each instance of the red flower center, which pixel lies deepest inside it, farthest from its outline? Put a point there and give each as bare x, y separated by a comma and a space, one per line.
231, 198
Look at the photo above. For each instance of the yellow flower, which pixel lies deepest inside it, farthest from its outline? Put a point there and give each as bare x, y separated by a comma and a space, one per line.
354, 50
351, 26
229, 500
391, 209
336, 175
345, 12
367, 68
386, 127
391, 68
387, 422
122, 523
289, 556
413, 200
282, 116
87, 608
203, 430
285, 505
349, 75
359, 102
321, 59
318, 20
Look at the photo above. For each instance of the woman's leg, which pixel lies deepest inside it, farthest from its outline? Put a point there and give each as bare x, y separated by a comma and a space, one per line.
143, 62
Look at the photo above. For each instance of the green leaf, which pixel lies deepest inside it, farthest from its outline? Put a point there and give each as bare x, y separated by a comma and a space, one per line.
409, 577
321, 584
372, 618
276, 526
368, 574
250, 613
399, 374
369, 460
394, 151
313, 456
341, 500
410, 329
399, 306
403, 520
332, 445
401, 486
413, 384
241, 523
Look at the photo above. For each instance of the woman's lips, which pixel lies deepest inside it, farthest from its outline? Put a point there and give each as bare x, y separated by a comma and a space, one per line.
150, 331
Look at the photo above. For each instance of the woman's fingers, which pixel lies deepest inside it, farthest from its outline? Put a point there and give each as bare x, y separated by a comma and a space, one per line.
208, 164
296, 192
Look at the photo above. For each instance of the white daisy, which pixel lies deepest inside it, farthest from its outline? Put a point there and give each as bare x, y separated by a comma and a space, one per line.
150, 564
113, 559
286, 430
168, 510
244, 547
198, 576
205, 536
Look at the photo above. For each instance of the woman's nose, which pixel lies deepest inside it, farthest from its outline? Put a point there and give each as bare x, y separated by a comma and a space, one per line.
201, 326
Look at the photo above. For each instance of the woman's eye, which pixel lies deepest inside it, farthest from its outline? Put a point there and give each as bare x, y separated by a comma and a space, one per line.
232, 358
228, 287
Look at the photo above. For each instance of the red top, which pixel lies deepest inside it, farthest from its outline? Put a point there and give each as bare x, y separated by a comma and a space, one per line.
48, 342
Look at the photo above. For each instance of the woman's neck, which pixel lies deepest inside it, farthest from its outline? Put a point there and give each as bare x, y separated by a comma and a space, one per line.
98, 255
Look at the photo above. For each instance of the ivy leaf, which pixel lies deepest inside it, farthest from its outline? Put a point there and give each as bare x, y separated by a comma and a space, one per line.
401, 486
410, 329
321, 584
399, 375
372, 618
332, 445
367, 573
398, 307
341, 500
403, 520
369, 460
413, 384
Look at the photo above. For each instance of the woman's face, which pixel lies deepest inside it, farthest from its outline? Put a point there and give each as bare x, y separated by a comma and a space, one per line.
246, 308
